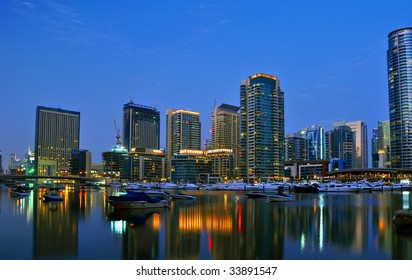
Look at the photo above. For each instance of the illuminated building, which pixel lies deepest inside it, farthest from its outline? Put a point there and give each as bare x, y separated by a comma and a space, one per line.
262, 129
189, 166
141, 127
222, 163
112, 161
183, 130
225, 134
384, 144
81, 163
143, 165
295, 147
315, 142
57, 133
375, 153
339, 145
360, 148
399, 64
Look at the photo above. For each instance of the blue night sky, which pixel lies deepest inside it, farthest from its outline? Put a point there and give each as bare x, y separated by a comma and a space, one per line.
94, 56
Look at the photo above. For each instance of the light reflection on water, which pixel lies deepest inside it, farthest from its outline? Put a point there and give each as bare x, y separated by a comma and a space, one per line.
216, 225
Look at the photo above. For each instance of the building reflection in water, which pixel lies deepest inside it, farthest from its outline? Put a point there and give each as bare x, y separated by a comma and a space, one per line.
219, 225
56, 227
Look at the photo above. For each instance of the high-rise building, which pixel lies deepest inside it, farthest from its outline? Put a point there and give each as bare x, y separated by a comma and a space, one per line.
295, 147
141, 127
375, 149
399, 64
226, 132
81, 163
360, 136
57, 133
262, 129
183, 131
315, 142
384, 144
339, 145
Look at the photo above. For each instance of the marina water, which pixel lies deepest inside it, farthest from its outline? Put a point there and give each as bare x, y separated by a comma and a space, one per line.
217, 225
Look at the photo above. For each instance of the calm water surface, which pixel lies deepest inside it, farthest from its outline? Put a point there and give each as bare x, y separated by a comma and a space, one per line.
216, 225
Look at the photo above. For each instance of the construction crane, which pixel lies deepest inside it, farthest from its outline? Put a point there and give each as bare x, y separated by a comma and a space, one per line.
118, 142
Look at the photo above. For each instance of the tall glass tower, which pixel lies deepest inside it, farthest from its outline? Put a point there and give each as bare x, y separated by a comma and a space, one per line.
183, 131
399, 60
141, 127
262, 129
57, 134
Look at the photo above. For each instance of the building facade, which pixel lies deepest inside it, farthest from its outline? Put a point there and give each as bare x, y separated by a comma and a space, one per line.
226, 133
141, 126
81, 163
57, 133
190, 166
339, 145
384, 144
183, 131
375, 149
113, 161
143, 165
399, 64
360, 134
295, 147
262, 129
315, 142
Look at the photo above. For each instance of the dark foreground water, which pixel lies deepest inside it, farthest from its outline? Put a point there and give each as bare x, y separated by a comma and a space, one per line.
216, 225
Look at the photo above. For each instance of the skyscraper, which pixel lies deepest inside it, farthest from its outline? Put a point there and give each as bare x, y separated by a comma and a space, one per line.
141, 127
399, 63
183, 131
295, 147
375, 149
262, 129
315, 142
360, 138
57, 133
226, 131
384, 144
339, 145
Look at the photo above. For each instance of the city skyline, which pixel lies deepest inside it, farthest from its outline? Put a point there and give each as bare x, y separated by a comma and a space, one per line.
93, 59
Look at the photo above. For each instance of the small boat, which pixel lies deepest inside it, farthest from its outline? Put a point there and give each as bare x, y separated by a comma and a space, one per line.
306, 188
402, 221
20, 192
52, 196
279, 197
255, 194
137, 200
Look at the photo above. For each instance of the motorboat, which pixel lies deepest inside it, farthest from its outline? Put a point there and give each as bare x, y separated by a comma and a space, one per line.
152, 193
305, 188
137, 200
52, 196
255, 194
402, 221
280, 197
188, 186
139, 186
20, 192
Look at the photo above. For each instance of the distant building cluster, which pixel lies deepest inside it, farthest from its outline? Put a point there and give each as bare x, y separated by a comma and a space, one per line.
248, 142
